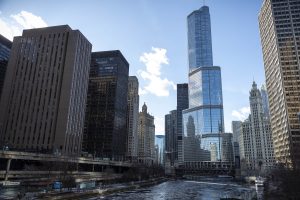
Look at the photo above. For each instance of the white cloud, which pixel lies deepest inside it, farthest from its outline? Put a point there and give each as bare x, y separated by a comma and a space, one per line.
155, 83
142, 92
9, 30
242, 113
159, 125
29, 20
14, 25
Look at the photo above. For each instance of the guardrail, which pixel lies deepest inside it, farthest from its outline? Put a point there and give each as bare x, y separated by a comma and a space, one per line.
17, 155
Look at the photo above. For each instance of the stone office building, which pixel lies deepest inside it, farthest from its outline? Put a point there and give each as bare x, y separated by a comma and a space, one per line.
44, 94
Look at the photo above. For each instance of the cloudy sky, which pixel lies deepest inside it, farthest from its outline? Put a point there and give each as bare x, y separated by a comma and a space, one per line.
152, 35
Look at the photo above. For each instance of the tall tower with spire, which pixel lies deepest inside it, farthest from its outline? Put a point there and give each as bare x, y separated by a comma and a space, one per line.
256, 133
205, 88
146, 135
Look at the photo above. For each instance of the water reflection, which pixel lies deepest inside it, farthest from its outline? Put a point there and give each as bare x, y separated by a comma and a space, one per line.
188, 190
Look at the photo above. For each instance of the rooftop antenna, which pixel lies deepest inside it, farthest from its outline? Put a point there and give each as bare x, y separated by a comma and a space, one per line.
203, 2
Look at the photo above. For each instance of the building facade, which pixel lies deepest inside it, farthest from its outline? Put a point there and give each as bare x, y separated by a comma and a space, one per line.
171, 137
237, 135
160, 146
133, 114
105, 131
265, 101
203, 121
280, 31
258, 153
146, 135
5, 47
44, 93
199, 39
182, 104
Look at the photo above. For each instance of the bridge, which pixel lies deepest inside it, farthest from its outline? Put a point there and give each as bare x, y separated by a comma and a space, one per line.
205, 168
27, 156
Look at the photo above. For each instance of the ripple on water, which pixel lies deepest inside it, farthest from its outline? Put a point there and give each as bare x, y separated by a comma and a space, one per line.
181, 190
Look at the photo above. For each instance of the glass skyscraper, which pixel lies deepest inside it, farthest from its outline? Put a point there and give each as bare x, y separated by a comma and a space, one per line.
203, 121
199, 39
105, 131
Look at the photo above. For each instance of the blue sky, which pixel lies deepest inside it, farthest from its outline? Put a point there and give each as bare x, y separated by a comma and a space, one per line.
152, 35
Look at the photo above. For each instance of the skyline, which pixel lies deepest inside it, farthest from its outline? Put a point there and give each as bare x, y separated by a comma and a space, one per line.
158, 60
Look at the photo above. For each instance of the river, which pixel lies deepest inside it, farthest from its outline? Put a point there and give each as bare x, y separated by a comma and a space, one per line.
212, 189
202, 189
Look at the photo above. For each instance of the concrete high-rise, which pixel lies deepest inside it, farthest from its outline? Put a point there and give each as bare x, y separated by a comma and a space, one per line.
280, 39
257, 138
182, 104
45, 89
5, 47
133, 115
171, 137
146, 135
105, 132
205, 112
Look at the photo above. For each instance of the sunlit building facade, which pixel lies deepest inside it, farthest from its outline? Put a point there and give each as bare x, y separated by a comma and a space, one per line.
132, 116
257, 144
146, 136
160, 146
280, 39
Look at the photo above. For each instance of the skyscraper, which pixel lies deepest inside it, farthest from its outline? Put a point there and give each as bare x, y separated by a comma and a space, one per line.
265, 101
171, 136
237, 134
199, 39
258, 149
235, 126
105, 132
280, 31
160, 145
182, 104
5, 47
133, 115
146, 135
205, 88
44, 94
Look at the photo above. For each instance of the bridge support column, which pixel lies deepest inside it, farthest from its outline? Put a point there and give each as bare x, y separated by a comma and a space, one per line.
7, 169
93, 167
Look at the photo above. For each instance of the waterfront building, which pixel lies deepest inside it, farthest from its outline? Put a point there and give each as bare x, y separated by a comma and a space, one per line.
203, 121
280, 31
182, 104
105, 131
146, 135
258, 152
171, 137
199, 39
5, 47
44, 94
235, 126
132, 118
237, 133
160, 145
